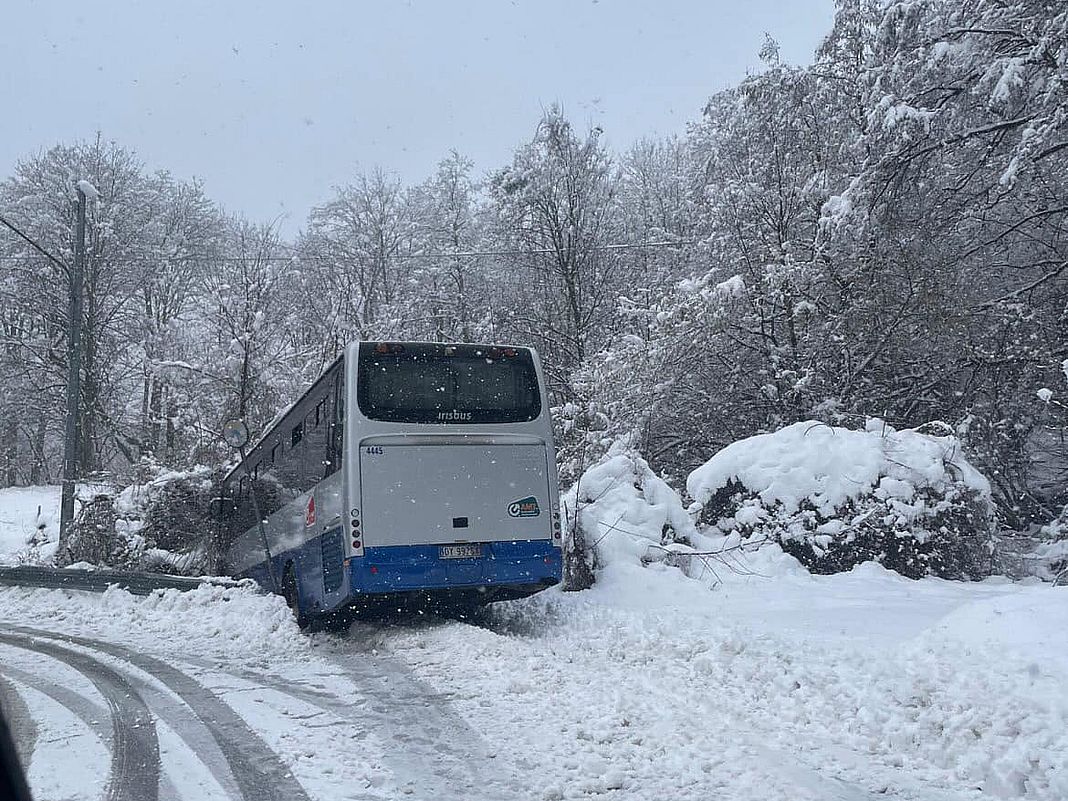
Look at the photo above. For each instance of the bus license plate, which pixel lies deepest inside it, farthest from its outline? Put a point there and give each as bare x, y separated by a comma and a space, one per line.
460, 551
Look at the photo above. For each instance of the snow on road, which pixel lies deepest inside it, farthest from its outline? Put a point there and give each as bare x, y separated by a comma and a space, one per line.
652, 685
795, 688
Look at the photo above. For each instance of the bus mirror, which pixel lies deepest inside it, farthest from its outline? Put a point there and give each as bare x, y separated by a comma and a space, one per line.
235, 433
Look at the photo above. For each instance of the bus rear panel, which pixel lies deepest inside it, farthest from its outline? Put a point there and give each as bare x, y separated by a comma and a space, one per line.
454, 471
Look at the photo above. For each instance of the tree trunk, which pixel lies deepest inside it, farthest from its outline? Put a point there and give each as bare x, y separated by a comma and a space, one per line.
38, 461
9, 452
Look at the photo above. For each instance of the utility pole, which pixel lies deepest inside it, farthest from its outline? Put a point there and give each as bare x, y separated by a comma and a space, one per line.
72, 431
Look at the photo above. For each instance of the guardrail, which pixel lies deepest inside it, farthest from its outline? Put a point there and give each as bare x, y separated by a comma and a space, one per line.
100, 580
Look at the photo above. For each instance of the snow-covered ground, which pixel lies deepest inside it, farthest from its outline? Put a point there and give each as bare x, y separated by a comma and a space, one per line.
27, 514
772, 685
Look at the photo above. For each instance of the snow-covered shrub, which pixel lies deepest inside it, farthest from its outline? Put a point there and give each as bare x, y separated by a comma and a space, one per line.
620, 510
173, 507
1050, 556
834, 497
93, 538
158, 524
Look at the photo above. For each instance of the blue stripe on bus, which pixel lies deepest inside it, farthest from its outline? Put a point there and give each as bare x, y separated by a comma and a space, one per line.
401, 568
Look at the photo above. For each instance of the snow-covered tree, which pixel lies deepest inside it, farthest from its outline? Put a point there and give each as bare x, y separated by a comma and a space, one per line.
556, 205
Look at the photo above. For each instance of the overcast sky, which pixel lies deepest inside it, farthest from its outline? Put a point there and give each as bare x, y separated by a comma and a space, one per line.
273, 102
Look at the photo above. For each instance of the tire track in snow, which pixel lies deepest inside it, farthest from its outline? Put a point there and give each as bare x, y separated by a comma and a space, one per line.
427, 730
92, 714
23, 727
196, 737
258, 771
166, 708
431, 750
135, 765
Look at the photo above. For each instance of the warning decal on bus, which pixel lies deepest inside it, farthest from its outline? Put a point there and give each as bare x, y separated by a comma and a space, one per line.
524, 507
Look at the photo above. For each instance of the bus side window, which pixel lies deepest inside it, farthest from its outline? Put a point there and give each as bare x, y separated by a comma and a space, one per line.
336, 427
244, 517
314, 447
289, 471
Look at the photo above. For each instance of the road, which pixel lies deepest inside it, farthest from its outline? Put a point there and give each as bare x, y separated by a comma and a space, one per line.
648, 688
128, 697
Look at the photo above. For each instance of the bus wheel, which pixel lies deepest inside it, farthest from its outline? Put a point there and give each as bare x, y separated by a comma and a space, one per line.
289, 592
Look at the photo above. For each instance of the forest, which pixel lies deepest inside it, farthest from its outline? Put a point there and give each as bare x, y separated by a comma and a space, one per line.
880, 233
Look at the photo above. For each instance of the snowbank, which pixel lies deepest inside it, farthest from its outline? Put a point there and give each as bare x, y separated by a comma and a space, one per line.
829, 497
835, 497
225, 622
826, 466
625, 511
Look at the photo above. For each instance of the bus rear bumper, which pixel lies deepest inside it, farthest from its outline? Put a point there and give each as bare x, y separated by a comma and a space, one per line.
504, 569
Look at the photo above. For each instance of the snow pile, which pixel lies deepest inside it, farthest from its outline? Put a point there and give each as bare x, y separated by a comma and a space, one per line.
1000, 666
830, 497
826, 466
624, 512
834, 497
225, 622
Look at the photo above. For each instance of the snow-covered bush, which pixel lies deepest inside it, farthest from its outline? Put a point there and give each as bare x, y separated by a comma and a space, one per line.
1049, 558
834, 497
93, 538
619, 509
158, 524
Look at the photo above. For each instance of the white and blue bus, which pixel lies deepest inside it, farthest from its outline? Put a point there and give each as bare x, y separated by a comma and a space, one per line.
409, 472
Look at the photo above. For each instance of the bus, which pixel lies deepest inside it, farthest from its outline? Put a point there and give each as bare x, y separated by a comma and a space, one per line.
409, 474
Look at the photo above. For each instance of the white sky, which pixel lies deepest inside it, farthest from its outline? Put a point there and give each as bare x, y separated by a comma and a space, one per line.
273, 102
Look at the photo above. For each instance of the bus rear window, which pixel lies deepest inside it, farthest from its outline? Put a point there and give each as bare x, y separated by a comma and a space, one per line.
447, 384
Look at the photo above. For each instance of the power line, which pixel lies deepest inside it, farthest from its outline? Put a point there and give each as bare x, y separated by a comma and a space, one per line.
32, 244
270, 257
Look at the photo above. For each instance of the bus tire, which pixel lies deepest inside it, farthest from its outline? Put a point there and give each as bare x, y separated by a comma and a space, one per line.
292, 595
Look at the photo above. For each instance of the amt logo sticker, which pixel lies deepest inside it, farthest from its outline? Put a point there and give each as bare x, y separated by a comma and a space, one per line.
524, 507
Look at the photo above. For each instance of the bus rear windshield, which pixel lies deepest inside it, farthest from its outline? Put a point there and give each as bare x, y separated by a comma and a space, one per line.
419, 383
